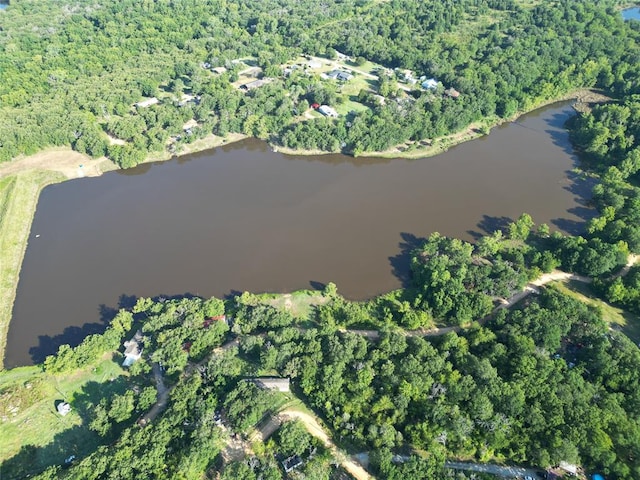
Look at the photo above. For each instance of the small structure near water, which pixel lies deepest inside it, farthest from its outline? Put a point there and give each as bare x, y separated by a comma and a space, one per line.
63, 408
133, 350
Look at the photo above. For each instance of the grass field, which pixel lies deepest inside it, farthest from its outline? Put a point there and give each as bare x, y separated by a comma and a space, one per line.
617, 318
34, 436
300, 303
18, 200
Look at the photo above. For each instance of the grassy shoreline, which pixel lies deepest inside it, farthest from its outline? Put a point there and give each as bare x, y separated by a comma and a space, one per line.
19, 197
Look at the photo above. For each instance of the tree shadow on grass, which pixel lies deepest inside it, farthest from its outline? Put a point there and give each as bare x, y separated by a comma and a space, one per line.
77, 440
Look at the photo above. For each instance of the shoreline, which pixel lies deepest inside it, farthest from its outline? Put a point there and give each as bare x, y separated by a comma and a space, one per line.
55, 165
436, 146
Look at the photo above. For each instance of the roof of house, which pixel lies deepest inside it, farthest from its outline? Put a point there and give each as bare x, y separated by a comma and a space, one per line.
291, 463
340, 75
430, 83
63, 408
452, 92
568, 467
255, 84
327, 111
133, 349
148, 102
273, 383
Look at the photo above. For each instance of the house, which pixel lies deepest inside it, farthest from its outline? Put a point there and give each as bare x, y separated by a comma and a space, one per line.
254, 84
219, 70
291, 463
327, 111
273, 383
147, 103
406, 75
133, 350
430, 84
569, 468
339, 75
63, 408
452, 92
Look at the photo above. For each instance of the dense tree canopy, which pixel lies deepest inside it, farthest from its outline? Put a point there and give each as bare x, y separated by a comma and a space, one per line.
71, 73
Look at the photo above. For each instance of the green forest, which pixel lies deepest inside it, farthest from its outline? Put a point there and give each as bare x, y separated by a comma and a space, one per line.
470, 362
71, 74
441, 370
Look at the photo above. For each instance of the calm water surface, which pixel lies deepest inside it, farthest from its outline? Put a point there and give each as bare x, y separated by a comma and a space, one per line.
245, 218
631, 13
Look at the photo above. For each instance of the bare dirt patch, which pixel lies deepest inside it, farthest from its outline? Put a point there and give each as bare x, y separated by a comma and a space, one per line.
63, 160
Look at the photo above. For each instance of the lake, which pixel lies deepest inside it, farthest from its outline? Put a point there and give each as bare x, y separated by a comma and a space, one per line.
242, 217
631, 13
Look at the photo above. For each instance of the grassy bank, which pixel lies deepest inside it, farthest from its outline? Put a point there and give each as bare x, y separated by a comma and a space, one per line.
18, 200
33, 433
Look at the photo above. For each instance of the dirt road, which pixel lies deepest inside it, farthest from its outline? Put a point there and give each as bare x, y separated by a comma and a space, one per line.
350, 464
161, 399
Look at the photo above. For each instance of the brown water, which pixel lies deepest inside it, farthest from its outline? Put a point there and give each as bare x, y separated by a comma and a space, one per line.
245, 218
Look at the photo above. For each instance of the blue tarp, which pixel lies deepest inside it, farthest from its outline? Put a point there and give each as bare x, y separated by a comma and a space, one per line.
597, 476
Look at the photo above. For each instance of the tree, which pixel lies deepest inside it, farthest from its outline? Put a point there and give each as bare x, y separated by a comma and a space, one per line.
521, 228
293, 438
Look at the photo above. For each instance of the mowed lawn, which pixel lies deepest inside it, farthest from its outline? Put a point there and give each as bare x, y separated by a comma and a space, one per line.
34, 435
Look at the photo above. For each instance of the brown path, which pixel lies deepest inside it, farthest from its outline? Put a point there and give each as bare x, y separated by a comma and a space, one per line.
161, 399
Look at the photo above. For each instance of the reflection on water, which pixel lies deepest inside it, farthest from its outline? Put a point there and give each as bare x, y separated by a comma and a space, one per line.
242, 217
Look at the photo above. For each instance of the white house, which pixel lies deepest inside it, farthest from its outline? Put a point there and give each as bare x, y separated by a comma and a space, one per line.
327, 111
430, 84
133, 350
63, 408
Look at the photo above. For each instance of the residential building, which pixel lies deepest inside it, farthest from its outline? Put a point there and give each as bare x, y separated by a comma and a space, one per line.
327, 111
